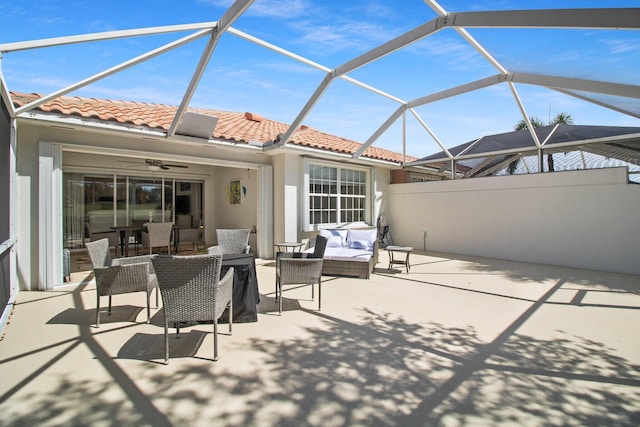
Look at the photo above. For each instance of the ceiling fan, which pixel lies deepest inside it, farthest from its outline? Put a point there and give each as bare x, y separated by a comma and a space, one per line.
155, 165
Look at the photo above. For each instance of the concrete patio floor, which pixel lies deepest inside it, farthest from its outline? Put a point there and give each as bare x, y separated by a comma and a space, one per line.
457, 341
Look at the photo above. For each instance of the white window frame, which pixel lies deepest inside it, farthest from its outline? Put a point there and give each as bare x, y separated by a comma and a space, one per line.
304, 195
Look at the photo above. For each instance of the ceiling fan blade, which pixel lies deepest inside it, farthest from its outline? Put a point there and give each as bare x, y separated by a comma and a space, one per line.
152, 162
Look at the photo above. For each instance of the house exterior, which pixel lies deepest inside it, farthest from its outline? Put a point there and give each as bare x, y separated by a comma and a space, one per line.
73, 165
82, 161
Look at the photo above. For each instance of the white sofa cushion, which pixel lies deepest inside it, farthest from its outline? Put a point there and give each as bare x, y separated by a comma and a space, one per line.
346, 254
335, 238
362, 239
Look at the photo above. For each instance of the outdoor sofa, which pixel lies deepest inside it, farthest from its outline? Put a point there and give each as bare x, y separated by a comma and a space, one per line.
349, 252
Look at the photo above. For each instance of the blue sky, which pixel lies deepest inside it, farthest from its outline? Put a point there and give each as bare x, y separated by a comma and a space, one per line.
243, 76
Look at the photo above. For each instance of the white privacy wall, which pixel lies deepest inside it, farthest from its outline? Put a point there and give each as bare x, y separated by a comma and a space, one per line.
586, 219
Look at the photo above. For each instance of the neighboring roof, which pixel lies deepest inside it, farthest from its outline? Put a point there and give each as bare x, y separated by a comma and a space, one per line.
613, 141
232, 126
581, 147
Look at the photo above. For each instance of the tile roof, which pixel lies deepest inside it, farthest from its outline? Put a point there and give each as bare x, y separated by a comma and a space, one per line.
232, 126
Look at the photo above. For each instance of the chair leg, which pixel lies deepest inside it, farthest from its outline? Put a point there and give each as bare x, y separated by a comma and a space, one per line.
230, 314
280, 298
166, 343
319, 293
109, 311
98, 311
149, 305
215, 340
158, 297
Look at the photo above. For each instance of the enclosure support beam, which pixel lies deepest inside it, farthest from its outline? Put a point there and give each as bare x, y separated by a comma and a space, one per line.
230, 16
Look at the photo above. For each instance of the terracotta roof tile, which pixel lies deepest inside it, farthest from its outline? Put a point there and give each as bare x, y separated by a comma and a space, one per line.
232, 126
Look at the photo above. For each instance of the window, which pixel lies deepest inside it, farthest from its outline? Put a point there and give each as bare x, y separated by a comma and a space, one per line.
336, 195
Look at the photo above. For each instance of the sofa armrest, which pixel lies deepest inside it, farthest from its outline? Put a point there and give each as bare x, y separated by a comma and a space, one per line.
375, 251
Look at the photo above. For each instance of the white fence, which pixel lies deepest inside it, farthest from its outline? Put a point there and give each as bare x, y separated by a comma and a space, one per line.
585, 219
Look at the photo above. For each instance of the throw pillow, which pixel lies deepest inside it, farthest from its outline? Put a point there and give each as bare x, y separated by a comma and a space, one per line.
335, 238
361, 244
368, 236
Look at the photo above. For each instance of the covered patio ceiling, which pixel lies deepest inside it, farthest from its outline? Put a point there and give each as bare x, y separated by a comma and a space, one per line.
407, 105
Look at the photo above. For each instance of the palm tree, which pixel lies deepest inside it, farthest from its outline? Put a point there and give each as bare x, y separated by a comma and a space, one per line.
522, 125
560, 118
535, 122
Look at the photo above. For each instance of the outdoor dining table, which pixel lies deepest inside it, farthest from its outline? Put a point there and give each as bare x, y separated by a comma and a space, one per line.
245, 287
124, 236
176, 236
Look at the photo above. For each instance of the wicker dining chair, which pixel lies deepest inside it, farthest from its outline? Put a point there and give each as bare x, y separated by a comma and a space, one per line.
192, 290
158, 234
214, 250
296, 268
234, 241
189, 232
120, 275
192, 235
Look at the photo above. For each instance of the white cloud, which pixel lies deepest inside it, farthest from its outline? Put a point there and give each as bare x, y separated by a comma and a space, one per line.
23, 82
269, 8
379, 10
280, 8
621, 46
340, 36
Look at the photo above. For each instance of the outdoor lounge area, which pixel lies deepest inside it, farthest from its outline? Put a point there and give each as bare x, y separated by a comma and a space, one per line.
457, 341
419, 213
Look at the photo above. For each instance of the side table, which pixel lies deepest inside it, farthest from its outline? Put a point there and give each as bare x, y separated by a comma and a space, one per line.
400, 249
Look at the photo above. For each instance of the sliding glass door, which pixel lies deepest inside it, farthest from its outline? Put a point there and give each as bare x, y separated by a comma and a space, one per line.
188, 204
150, 200
98, 202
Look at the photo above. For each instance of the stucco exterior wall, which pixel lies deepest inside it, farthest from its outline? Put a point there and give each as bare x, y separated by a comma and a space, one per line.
28, 191
243, 215
286, 181
584, 219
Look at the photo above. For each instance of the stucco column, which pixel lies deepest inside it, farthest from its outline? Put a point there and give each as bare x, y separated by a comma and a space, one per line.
286, 193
